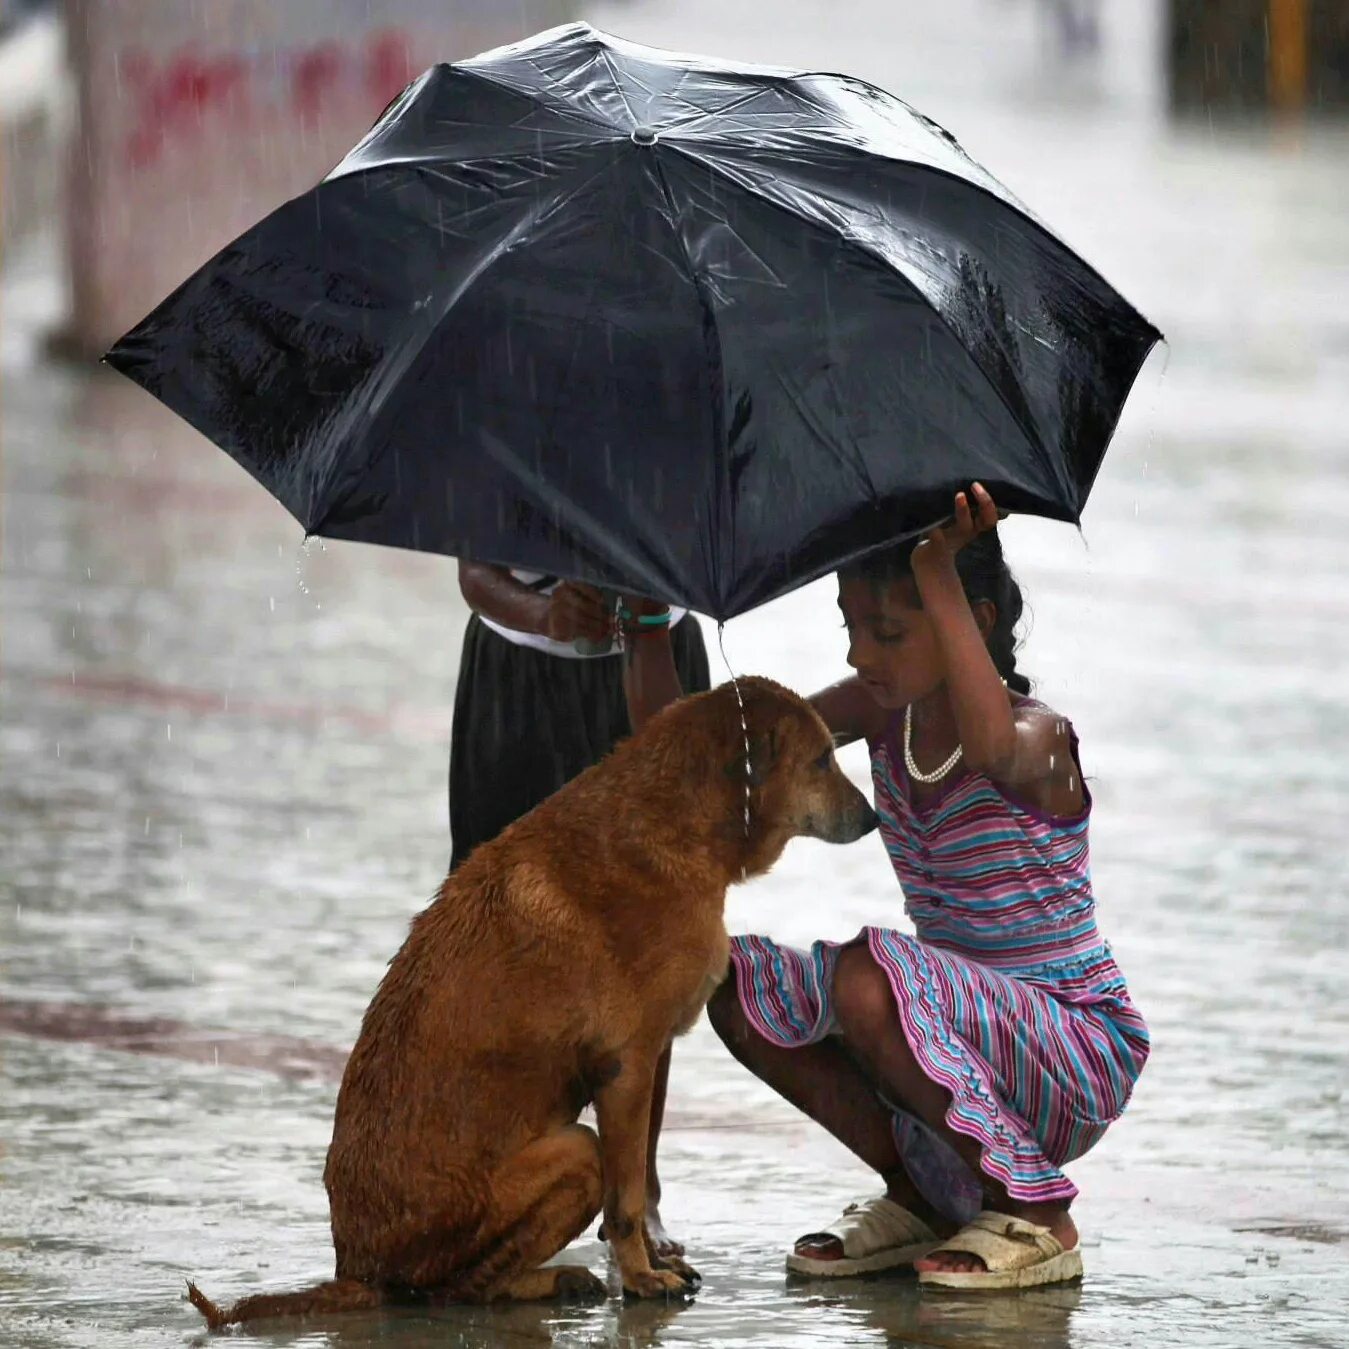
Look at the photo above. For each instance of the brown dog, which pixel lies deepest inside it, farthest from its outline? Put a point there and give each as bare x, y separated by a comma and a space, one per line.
551, 971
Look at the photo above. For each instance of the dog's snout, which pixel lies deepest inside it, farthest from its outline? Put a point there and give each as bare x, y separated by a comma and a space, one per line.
848, 818
857, 822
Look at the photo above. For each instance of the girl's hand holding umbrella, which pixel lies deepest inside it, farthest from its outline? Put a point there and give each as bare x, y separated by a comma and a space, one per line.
940, 545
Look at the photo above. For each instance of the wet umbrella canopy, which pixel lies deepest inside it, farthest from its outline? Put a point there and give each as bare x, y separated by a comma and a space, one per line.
693, 329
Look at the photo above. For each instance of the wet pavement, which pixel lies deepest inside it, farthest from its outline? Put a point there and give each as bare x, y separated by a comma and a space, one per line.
222, 764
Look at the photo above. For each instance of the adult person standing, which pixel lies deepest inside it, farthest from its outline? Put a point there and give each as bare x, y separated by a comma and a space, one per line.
544, 692
540, 696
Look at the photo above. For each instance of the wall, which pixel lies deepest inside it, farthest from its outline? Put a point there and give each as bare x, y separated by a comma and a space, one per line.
197, 119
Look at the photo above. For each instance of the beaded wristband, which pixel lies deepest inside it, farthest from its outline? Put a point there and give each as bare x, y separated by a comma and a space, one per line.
644, 621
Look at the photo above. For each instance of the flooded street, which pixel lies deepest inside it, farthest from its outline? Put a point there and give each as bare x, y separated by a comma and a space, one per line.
222, 797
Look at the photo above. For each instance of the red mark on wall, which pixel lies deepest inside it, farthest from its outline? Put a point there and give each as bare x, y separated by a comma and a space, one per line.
317, 73
388, 66
175, 98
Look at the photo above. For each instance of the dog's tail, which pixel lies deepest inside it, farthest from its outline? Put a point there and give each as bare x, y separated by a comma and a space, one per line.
338, 1295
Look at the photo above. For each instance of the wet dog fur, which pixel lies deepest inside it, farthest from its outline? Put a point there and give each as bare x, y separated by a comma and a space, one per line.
551, 971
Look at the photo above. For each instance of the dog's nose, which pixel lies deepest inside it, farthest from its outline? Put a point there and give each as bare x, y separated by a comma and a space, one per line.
868, 821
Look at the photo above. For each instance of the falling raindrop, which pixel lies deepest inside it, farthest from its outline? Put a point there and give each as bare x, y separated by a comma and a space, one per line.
302, 554
168, 730
271, 603
147, 826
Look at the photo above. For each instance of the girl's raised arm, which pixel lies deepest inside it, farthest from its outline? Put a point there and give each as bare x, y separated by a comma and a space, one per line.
1026, 749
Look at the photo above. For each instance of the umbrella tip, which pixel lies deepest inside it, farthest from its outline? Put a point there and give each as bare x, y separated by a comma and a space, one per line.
644, 135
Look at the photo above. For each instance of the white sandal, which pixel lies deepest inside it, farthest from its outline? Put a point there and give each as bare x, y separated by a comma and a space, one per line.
1016, 1254
875, 1234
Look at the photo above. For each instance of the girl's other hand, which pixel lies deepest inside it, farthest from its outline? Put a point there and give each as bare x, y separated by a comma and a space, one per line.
940, 545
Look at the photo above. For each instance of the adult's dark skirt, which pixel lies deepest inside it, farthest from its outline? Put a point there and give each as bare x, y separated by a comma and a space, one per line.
526, 723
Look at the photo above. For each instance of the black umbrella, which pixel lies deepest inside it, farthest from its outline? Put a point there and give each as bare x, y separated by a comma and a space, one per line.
698, 330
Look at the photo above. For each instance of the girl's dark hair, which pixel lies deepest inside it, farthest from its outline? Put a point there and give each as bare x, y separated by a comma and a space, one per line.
984, 575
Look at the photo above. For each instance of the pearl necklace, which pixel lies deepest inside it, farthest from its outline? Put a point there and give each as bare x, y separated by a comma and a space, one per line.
938, 773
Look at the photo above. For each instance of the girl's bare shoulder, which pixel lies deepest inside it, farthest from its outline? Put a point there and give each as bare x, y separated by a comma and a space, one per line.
1044, 771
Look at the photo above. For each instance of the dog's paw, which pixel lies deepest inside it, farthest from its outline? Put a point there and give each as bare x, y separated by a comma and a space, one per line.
678, 1265
659, 1283
575, 1284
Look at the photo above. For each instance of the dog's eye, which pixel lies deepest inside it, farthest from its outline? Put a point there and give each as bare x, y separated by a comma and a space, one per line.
825, 759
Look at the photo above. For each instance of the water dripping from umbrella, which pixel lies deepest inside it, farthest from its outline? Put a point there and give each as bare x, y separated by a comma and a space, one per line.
744, 726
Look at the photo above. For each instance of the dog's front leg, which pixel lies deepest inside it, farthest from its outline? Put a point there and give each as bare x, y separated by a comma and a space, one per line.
623, 1112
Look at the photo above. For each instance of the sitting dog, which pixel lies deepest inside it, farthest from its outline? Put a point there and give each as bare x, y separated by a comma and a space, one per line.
551, 972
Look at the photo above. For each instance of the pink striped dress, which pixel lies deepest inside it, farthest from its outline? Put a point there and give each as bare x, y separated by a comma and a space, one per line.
1007, 994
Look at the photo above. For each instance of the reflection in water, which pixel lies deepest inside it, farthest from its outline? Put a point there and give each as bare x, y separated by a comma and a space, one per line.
1034, 1319
623, 1324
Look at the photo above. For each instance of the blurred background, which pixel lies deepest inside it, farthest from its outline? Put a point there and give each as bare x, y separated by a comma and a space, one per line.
223, 754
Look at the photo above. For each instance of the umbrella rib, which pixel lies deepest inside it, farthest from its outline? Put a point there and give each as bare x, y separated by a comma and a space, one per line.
1032, 440
856, 461
712, 335
618, 88
672, 95
439, 165
406, 357
418, 161
992, 188
568, 109
530, 485
734, 106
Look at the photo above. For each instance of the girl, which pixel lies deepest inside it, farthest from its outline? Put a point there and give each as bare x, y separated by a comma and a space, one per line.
968, 1063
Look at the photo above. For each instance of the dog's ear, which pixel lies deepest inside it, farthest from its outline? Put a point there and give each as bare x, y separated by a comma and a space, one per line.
763, 754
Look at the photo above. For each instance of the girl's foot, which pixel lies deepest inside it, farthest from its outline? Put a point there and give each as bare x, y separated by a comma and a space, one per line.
1035, 1245
870, 1236
1061, 1228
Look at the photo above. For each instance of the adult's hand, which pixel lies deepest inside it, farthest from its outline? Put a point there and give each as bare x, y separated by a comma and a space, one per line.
577, 611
